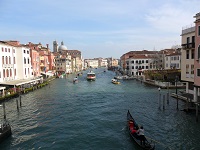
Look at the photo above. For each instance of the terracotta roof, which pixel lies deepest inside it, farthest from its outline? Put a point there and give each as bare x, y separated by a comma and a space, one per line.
167, 51
141, 56
12, 43
173, 54
142, 52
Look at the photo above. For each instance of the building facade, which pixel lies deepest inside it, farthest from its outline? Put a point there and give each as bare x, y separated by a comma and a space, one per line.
187, 58
137, 64
197, 58
173, 61
16, 61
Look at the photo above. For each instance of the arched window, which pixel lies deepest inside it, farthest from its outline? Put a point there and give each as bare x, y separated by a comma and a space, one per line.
6, 60
2, 59
7, 72
10, 72
9, 60
4, 73
24, 60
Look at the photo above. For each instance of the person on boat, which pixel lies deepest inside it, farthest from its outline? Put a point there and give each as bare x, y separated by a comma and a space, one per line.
133, 129
140, 132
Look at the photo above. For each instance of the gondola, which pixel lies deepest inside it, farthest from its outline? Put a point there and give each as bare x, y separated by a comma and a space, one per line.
132, 125
5, 131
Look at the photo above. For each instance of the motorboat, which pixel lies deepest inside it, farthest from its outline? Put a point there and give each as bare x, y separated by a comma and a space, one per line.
75, 80
91, 76
115, 81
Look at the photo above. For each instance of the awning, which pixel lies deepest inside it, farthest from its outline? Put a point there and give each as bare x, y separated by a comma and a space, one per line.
19, 82
2, 88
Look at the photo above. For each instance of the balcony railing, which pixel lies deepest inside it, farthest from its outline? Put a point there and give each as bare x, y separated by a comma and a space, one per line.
188, 45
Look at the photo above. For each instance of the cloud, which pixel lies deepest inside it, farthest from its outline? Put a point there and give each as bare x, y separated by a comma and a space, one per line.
105, 26
171, 17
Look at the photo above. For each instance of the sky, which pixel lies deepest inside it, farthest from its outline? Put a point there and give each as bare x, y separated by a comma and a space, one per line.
98, 28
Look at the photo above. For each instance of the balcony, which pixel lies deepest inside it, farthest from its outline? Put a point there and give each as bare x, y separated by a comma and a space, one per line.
188, 45
8, 65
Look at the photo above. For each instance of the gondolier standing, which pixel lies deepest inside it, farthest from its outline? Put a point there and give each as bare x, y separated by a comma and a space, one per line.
140, 132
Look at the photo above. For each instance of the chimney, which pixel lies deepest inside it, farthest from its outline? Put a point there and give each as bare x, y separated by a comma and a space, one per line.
47, 46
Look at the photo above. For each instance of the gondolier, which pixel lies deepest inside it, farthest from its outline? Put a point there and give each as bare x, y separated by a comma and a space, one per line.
140, 132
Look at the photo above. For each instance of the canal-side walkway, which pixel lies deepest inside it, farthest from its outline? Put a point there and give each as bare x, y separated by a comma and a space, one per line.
15, 88
188, 98
164, 85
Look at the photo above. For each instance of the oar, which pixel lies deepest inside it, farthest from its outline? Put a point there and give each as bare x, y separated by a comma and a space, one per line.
123, 128
157, 142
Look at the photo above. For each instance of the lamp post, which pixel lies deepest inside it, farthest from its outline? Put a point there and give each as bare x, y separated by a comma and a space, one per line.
168, 93
159, 97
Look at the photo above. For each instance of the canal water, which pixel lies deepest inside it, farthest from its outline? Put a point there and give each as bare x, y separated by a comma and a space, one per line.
92, 116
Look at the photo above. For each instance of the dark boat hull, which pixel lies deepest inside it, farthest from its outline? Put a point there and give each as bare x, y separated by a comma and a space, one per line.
148, 145
5, 132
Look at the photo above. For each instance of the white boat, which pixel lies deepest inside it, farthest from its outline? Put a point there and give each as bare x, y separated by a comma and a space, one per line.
75, 80
61, 76
91, 76
115, 81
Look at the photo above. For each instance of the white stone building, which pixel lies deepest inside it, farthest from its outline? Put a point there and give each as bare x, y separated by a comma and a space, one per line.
15, 60
103, 62
173, 61
137, 64
92, 63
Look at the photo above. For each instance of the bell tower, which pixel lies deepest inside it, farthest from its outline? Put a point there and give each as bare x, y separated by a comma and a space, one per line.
55, 46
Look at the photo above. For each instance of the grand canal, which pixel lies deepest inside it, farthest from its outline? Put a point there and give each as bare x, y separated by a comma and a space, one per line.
92, 116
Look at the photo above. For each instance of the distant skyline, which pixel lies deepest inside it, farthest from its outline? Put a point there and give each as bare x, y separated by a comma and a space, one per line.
98, 28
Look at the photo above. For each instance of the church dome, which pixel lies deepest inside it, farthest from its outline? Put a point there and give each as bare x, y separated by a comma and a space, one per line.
62, 47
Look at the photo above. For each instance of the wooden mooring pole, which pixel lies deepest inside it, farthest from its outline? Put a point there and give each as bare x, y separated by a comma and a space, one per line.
168, 93
163, 102
17, 104
4, 110
197, 105
159, 98
20, 101
168, 98
187, 101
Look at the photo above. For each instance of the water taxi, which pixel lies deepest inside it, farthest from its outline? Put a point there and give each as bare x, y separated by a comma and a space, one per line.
114, 81
91, 76
75, 80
